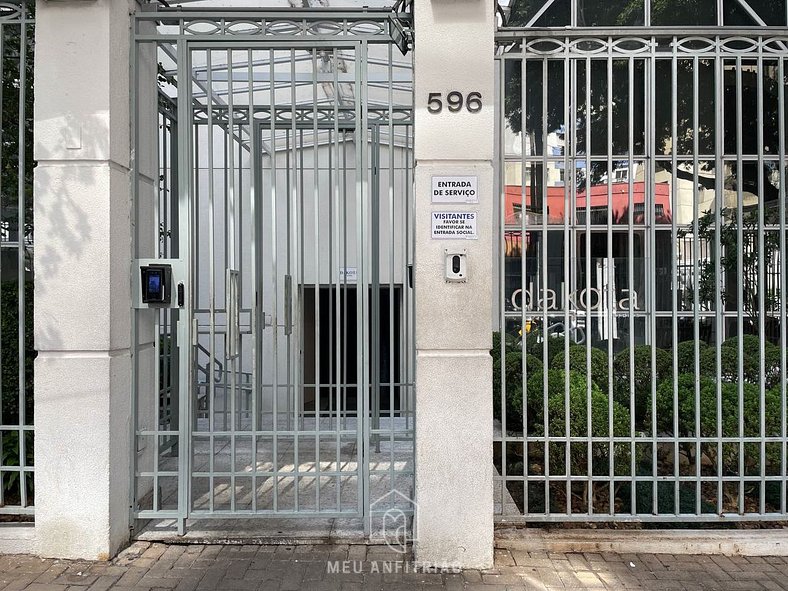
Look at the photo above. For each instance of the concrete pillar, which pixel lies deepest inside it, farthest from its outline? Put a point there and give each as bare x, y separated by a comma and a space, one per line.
454, 464
82, 291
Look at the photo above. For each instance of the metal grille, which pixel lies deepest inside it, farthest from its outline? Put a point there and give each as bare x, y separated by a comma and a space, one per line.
16, 259
285, 384
640, 358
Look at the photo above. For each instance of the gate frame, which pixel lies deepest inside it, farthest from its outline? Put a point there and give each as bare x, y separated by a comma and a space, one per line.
280, 30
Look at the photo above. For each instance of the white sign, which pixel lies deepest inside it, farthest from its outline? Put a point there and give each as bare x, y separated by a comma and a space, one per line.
455, 189
348, 274
454, 225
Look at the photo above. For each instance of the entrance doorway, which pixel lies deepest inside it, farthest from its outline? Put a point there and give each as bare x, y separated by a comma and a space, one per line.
286, 378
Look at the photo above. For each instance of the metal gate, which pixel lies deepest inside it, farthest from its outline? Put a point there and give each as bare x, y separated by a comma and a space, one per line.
640, 363
283, 384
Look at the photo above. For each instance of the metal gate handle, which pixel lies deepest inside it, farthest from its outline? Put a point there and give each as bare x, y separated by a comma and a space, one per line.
288, 304
233, 314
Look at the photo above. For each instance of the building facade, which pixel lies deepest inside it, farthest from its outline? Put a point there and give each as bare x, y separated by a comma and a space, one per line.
403, 272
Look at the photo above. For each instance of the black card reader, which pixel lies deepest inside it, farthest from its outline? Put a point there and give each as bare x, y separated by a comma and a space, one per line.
156, 280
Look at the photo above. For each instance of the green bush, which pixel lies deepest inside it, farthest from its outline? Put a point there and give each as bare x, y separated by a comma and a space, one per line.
729, 365
577, 362
514, 381
642, 378
578, 411
685, 355
578, 422
772, 363
751, 345
556, 386
729, 411
510, 340
686, 404
535, 345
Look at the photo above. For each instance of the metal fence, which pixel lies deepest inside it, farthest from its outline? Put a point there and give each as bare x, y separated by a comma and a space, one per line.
16, 259
640, 360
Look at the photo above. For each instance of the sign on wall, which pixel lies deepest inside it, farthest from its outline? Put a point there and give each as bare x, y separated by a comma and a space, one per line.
454, 225
455, 189
348, 274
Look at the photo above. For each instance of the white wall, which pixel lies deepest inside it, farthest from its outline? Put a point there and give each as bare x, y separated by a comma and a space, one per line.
82, 320
454, 517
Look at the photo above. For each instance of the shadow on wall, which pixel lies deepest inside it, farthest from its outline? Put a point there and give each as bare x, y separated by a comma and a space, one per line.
63, 210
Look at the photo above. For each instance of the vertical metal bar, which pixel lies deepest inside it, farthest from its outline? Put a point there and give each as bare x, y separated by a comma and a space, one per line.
317, 248
630, 270
392, 248
695, 254
298, 242
574, 245
2, 144
333, 291
374, 318
611, 294
255, 167
275, 286
740, 269
340, 229
22, 164
649, 205
783, 275
363, 186
524, 166
185, 191
255, 244
300, 230
158, 400
567, 408
570, 143
718, 306
500, 160
211, 282
589, 414
673, 262
230, 244
761, 289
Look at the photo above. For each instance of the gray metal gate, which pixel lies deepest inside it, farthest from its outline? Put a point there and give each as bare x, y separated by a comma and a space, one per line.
640, 363
283, 387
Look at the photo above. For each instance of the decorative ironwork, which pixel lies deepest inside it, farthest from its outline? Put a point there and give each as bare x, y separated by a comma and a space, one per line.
657, 45
305, 117
374, 26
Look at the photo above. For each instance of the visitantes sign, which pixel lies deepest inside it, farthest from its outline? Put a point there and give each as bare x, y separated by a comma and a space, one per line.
454, 225
455, 189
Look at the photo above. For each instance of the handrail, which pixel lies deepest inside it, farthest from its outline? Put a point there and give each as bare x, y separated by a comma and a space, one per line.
204, 369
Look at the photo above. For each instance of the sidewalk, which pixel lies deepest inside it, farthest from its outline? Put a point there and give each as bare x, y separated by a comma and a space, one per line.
148, 567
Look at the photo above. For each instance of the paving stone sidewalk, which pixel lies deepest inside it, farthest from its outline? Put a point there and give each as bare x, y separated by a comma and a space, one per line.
148, 567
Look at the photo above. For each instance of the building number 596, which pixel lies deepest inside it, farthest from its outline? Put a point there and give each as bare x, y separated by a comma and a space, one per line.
455, 101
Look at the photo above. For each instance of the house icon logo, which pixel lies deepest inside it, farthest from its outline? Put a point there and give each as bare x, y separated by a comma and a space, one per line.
398, 511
